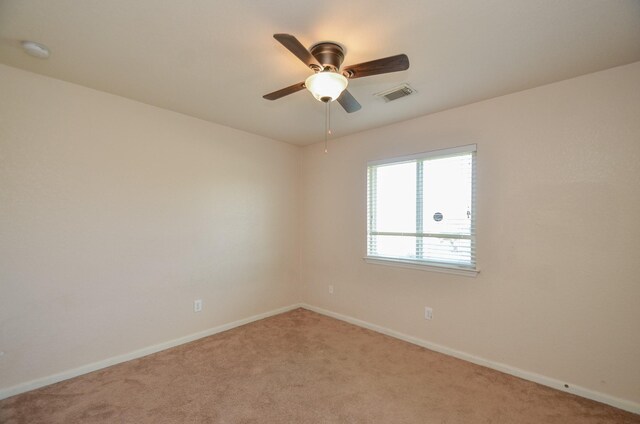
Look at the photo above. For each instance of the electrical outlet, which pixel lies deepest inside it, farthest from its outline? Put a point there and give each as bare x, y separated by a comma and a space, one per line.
428, 313
197, 305
330, 289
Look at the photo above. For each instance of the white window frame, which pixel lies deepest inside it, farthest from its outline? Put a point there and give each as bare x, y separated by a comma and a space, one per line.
426, 265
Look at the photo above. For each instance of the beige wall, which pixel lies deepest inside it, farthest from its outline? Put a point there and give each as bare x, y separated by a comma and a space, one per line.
558, 232
115, 216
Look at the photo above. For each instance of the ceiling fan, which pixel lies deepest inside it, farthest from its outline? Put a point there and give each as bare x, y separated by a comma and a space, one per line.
329, 82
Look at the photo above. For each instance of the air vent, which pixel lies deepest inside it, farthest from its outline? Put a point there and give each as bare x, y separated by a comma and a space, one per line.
396, 93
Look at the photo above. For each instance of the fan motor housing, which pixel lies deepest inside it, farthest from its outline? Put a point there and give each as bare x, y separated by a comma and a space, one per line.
330, 55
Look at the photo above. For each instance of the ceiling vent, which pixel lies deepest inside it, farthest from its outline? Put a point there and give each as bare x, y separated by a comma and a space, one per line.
396, 93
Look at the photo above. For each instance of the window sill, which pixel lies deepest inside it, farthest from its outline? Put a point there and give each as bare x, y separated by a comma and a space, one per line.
421, 266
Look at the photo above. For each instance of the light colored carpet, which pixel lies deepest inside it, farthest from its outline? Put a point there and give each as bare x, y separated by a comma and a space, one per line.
301, 367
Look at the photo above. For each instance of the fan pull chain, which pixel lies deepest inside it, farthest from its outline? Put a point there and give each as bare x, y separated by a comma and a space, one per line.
329, 108
327, 125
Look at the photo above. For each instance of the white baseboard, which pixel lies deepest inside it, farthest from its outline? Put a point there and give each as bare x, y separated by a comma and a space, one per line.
65, 375
624, 404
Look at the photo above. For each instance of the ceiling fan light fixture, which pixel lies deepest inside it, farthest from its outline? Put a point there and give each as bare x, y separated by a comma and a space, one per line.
326, 85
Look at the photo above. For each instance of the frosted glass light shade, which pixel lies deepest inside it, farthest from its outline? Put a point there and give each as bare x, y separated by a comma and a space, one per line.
326, 84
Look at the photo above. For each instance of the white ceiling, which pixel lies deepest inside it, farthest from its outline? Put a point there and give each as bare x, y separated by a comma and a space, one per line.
215, 59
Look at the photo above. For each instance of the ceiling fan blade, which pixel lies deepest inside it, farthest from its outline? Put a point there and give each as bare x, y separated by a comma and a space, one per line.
296, 47
284, 92
380, 66
348, 102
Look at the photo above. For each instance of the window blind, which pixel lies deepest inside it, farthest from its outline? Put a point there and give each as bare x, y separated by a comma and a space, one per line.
421, 208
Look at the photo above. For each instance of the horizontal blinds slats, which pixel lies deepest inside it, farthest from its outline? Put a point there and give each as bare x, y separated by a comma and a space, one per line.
442, 235
434, 154
442, 192
451, 265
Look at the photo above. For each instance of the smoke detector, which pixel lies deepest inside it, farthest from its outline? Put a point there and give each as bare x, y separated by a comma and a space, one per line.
396, 93
36, 49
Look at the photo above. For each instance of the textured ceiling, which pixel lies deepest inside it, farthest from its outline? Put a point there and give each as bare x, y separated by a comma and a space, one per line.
215, 59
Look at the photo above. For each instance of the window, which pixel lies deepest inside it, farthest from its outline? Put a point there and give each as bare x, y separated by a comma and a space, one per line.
421, 210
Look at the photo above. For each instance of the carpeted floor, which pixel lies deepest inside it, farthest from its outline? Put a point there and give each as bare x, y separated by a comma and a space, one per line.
301, 367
